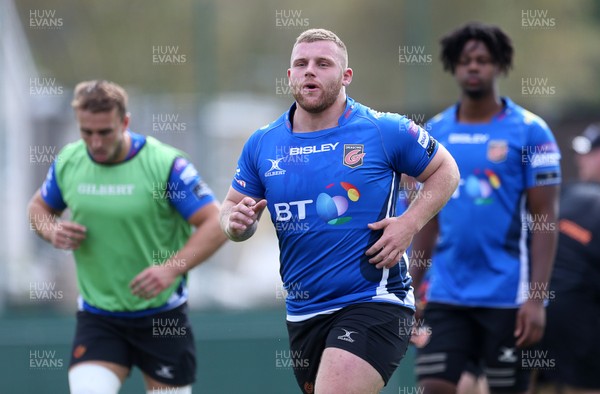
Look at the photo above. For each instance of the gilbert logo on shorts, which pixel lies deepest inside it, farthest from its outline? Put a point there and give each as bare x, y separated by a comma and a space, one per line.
165, 371
346, 337
507, 355
353, 155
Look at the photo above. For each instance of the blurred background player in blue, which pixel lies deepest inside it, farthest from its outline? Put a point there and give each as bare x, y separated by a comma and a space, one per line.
342, 245
495, 239
571, 343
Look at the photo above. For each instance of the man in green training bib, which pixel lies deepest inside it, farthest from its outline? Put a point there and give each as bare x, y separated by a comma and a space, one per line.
133, 202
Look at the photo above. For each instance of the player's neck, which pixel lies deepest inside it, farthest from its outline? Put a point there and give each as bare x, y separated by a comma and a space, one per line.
479, 110
306, 122
125, 148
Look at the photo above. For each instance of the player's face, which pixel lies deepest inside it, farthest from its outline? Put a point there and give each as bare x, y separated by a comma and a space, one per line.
476, 70
103, 134
317, 74
588, 166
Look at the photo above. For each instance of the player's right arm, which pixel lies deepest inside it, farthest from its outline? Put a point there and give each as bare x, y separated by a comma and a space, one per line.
240, 215
424, 241
44, 220
422, 248
45, 208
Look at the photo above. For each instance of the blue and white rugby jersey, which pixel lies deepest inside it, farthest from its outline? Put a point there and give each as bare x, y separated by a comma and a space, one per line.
322, 189
482, 255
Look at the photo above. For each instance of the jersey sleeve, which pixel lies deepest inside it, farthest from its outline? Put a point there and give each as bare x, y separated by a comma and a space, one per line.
50, 191
541, 157
409, 146
186, 190
247, 178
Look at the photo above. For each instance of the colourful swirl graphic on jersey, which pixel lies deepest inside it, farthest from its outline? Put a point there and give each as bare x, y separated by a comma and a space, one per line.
331, 208
480, 186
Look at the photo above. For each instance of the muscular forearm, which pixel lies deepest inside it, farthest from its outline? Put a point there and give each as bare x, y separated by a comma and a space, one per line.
543, 207
207, 238
434, 194
43, 221
422, 250
200, 246
543, 248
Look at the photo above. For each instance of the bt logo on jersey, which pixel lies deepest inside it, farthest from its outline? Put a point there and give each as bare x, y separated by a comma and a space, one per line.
331, 209
330, 206
283, 210
480, 186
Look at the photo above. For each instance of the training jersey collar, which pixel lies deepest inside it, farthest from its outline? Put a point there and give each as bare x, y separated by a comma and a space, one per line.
507, 109
342, 120
138, 141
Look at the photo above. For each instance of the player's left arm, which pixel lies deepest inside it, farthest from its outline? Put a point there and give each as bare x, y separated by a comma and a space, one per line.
541, 166
542, 204
205, 241
439, 180
194, 201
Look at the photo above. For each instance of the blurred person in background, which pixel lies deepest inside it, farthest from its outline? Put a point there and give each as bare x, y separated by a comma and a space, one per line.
571, 339
329, 170
133, 203
495, 240
472, 380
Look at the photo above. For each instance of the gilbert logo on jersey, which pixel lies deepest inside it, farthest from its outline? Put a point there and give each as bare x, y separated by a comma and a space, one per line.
125, 189
353, 155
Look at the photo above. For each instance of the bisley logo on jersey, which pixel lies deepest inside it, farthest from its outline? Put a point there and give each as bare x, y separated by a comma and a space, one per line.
307, 150
467, 138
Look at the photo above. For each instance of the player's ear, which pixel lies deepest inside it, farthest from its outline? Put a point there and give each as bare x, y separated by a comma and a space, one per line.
125, 121
347, 77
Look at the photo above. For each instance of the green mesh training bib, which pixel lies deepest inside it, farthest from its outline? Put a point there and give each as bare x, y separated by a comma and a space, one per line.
130, 224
